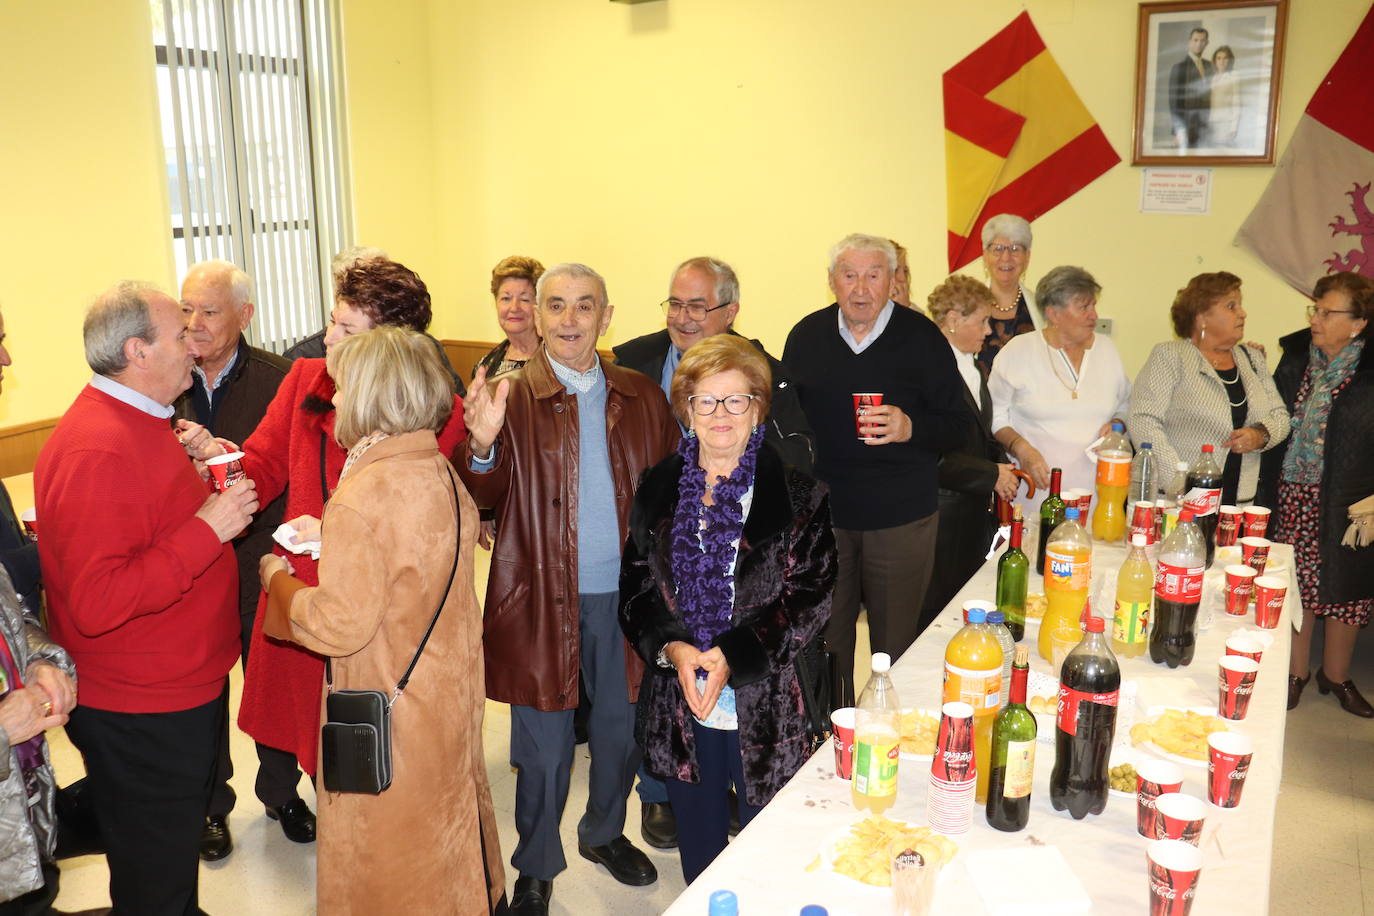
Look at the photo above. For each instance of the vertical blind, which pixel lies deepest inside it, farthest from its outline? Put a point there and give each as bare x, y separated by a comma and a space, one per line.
252, 125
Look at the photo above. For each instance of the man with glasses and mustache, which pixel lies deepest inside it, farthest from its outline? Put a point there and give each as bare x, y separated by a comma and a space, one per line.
703, 301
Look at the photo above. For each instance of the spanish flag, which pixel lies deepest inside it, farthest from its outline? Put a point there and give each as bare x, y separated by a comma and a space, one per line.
1017, 137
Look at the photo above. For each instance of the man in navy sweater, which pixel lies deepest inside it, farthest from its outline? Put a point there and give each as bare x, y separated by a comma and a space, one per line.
884, 482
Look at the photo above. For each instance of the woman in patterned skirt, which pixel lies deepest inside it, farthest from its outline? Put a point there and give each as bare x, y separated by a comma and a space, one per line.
1324, 468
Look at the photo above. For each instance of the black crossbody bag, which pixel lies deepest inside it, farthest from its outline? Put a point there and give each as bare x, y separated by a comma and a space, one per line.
355, 740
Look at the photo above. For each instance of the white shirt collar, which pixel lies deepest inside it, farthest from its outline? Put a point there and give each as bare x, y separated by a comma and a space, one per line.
135, 399
967, 365
879, 325
212, 385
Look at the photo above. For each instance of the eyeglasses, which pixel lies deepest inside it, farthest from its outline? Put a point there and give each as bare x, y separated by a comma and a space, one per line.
695, 310
1004, 249
1316, 312
703, 405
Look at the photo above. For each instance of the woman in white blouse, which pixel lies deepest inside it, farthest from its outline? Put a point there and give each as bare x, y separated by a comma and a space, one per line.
971, 473
1057, 390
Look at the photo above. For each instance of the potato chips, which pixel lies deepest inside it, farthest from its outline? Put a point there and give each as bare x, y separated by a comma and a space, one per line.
1178, 731
1036, 604
918, 732
865, 854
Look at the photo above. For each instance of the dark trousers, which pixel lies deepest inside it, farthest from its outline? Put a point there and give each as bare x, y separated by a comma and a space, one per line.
965, 532
541, 750
148, 777
278, 773
886, 571
703, 817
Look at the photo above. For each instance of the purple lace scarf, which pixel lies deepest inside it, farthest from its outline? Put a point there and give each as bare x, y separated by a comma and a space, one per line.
703, 539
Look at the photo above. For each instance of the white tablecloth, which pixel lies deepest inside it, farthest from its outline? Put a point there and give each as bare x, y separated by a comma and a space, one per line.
766, 864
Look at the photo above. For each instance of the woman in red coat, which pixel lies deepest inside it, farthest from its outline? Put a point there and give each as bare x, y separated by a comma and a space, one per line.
293, 449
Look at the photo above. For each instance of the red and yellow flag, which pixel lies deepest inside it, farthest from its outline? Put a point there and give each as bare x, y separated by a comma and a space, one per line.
1017, 137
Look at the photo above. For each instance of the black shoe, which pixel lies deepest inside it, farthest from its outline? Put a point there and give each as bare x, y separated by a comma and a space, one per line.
658, 825
1348, 695
215, 841
732, 800
625, 863
1295, 686
297, 820
531, 897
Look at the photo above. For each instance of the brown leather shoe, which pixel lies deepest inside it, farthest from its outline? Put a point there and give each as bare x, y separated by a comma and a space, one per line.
1347, 694
1295, 687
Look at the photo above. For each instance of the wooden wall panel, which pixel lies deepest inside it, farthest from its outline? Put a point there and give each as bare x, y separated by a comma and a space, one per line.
19, 445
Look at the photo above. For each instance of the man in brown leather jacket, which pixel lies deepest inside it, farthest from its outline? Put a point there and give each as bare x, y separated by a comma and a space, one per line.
557, 449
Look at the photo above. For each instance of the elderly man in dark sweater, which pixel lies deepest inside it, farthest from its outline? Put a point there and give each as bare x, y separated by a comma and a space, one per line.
883, 486
231, 386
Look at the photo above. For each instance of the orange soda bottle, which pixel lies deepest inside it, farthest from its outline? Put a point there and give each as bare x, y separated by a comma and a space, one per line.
973, 675
1068, 558
1113, 482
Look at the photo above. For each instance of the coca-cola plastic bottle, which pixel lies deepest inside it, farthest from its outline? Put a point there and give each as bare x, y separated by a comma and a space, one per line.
1178, 592
1088, 687
1203, 497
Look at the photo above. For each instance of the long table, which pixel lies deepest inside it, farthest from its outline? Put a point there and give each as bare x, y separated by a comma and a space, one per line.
767, 864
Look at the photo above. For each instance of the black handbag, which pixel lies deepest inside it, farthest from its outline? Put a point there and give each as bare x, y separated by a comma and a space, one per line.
355, 740
813, 666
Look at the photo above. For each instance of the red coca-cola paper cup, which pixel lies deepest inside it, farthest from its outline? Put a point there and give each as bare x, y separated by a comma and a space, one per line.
1179, 817
1245, 646
30, 519
1084, 500
1240, 586
1235, 683
1228, 763
1256, 521
862, 400
226, 470
1153, 778
1143, 522
1162, 508
1229, 523
1270, 592
953, 760
1254, 553
985, 606
1173, 868
842, 736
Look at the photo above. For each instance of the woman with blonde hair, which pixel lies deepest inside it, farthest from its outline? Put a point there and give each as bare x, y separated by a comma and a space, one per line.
512, 286
395, 575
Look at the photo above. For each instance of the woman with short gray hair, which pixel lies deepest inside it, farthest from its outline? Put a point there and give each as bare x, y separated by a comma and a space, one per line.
1006, 255
1057, 390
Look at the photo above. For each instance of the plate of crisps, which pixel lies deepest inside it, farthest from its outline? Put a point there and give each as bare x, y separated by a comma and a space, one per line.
863, 852
1036, 603
920, 727
1179, 735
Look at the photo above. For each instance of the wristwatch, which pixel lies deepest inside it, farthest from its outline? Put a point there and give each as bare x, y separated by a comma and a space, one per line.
662, 660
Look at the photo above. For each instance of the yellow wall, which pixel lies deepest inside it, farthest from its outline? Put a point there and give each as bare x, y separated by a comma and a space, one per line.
632, 137
83, 199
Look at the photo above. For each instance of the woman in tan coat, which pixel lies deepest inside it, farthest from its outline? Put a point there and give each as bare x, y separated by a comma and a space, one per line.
427, 844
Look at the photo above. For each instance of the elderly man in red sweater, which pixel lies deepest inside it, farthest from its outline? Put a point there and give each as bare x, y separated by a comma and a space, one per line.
143, 592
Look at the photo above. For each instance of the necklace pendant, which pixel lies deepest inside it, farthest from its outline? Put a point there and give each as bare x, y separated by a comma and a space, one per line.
1075, 395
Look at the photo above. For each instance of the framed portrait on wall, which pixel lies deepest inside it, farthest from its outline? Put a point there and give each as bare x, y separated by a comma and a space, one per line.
1207, 82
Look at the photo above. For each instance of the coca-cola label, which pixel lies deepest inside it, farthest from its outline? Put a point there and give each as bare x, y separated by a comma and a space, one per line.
1202, 501
1226, 774
1180, 584
1069, 701
1143, 522
1228, 529
1171, 890
1146, 793
953, 760
1235, 689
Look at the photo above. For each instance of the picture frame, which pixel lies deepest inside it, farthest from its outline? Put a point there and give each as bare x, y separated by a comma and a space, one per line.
1187, 108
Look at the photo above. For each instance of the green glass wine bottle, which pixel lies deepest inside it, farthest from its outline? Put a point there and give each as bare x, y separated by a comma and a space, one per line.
1013, 754
1013, 569
1051, 514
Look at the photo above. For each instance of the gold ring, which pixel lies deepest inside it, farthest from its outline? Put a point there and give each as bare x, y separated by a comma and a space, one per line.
47, 706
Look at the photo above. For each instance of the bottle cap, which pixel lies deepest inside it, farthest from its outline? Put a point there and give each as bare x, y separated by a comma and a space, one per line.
813, 910
1071, 513
1207, 449
881, 662
996, 617
1146, 445
977, 615
1185, 515
1118, 426
1138, 539
723, 903
1095, 624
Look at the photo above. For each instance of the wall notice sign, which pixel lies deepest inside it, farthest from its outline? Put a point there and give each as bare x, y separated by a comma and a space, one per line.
1170, 190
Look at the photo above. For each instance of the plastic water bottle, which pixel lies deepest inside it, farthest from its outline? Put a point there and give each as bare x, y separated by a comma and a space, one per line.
1142, 477
997, 621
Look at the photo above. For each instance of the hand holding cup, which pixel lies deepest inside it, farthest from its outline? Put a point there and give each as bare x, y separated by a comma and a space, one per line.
228, 512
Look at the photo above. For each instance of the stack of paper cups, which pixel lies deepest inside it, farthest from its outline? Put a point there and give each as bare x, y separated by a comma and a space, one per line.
949, 801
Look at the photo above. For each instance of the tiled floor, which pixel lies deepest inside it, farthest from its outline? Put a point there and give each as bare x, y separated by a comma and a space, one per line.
1323, 849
